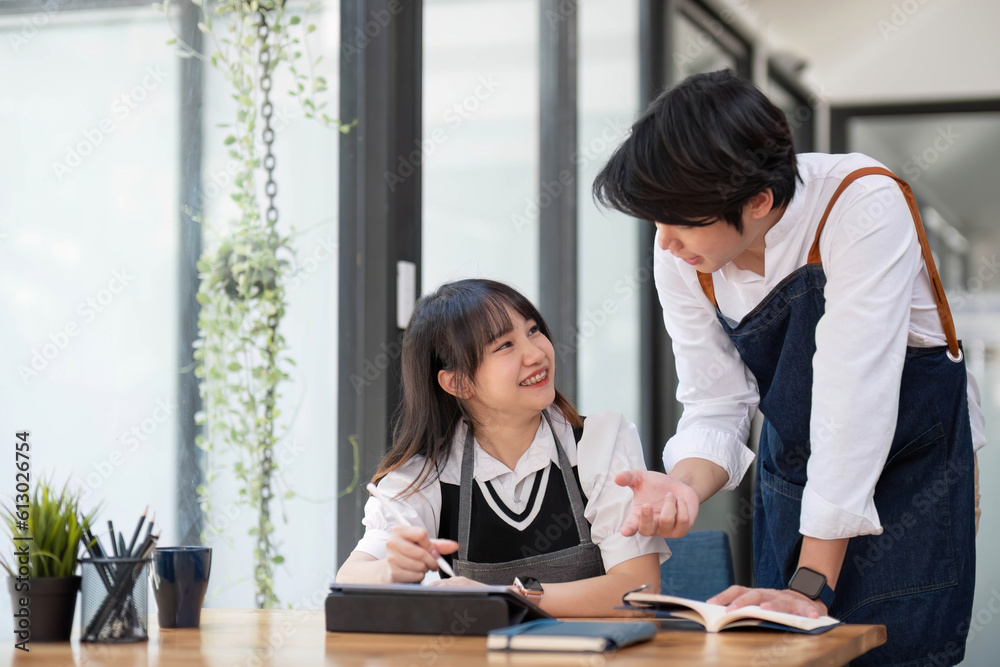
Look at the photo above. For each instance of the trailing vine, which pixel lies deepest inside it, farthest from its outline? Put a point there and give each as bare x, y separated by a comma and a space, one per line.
241, 355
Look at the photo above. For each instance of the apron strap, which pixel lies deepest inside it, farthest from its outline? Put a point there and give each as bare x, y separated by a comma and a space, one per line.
572, 488
465, 494
944, 311
708, 287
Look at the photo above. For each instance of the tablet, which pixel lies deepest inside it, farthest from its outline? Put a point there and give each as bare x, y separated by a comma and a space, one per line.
416, 609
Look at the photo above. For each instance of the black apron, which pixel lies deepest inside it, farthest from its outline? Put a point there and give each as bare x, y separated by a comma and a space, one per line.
581, 561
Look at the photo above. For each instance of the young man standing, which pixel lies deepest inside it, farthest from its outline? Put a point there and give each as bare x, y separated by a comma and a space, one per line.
803, 286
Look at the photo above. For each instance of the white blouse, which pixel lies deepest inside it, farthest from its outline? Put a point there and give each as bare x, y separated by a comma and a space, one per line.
869, 249
611, 444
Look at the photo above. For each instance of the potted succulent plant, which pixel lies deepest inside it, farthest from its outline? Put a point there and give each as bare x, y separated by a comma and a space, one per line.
46, 531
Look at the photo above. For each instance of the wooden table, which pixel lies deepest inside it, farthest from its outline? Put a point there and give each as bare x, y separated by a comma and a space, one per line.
251, 638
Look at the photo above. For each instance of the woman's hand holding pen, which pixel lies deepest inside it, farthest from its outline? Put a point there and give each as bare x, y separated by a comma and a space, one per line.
661, 505
410, 553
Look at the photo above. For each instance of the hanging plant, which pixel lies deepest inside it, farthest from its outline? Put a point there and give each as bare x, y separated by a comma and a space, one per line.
241, 355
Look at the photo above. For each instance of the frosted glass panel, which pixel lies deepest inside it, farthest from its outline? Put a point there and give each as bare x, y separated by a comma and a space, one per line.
480, 143
610, 270
306, 174
89, 275
88, 259
949, 161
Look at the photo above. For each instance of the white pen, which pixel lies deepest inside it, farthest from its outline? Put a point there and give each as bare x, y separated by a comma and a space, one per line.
372, 489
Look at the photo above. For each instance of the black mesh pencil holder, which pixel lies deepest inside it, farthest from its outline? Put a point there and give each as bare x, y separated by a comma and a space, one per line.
114, 600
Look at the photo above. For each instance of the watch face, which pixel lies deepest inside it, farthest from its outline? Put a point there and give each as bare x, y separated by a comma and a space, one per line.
807, 582
530, 584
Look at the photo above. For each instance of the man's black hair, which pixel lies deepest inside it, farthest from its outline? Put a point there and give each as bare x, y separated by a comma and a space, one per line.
699, 152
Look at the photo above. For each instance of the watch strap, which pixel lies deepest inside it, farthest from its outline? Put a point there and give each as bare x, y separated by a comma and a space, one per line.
825, 594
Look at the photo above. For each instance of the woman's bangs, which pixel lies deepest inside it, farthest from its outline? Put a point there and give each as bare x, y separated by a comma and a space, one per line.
491, 319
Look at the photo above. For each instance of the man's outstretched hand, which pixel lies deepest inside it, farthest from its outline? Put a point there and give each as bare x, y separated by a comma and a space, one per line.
661, 505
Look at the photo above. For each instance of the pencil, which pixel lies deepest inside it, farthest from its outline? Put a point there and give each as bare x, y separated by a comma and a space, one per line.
94, 549
372, 489
114, 540
138, 527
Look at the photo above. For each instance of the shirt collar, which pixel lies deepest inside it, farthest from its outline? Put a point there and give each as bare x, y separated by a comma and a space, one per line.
772, 239
539, 454
791, 217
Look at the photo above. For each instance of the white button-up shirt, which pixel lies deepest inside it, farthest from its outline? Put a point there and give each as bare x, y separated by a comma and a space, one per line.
610, 444
878, 300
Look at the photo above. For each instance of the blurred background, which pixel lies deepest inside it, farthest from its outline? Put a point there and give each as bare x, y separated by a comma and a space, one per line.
114, 154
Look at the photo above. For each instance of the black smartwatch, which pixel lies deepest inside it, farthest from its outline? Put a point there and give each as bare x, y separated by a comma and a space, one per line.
812, 584
530, 588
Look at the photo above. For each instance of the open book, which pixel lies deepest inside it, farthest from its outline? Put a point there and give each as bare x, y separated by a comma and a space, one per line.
714, 617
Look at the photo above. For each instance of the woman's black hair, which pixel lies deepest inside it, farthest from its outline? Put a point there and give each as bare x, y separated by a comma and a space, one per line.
450, 330
699, 152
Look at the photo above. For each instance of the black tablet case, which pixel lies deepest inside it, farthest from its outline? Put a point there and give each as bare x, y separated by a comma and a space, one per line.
416, 609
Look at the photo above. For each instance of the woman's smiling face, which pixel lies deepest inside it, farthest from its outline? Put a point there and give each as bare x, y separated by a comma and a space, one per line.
517, 374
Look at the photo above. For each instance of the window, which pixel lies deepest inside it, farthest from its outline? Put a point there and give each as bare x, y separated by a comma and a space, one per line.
480, 155
610, 270
92, 270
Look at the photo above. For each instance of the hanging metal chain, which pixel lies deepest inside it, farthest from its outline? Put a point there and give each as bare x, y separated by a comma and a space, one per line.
263, 566
266, 109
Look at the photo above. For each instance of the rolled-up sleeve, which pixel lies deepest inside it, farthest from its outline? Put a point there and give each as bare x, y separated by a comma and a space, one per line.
871, 258
718, 392
610, 445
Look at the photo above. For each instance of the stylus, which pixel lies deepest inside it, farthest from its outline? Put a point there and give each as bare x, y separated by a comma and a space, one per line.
372, 489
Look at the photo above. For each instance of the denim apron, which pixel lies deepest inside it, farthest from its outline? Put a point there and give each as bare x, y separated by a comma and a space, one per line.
570, 564
916, 578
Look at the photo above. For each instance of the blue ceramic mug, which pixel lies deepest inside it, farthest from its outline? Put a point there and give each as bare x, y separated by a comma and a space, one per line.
180, 580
